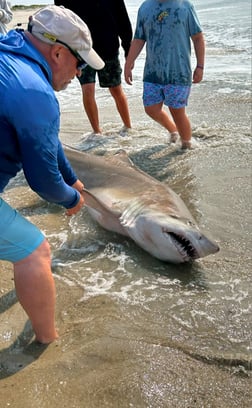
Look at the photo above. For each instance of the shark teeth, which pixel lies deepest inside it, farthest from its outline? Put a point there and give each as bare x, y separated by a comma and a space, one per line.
184, 246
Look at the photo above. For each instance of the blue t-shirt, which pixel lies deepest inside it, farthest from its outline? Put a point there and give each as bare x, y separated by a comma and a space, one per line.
167, 27
29, 123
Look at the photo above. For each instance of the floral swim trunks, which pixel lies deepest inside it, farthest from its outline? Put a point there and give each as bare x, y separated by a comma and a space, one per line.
173, 96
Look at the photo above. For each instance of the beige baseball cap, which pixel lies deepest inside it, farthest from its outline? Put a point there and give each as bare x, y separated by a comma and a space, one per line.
53, 24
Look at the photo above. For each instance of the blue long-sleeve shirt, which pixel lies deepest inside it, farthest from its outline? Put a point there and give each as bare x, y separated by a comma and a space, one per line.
29, 123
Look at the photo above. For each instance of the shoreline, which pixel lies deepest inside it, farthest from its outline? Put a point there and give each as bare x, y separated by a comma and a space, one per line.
23, 7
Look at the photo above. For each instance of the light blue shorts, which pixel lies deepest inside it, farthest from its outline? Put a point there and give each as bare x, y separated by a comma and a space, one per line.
173, 96
18, 237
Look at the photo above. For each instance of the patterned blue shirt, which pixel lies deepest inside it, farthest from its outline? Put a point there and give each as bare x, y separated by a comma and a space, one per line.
167, 27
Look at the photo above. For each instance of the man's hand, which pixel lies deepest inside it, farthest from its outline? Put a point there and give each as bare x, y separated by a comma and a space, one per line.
197, 75
79, 186
135, 49
74, 210
128, 73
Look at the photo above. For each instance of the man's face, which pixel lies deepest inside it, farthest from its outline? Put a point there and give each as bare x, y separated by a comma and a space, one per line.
64, 68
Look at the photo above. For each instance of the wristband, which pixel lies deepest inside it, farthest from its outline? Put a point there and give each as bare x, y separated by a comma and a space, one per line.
200, 66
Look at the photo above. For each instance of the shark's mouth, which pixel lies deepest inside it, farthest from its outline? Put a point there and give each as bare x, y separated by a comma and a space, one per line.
184, 246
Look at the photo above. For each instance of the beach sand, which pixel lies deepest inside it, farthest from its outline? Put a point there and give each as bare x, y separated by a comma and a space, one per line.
88, 367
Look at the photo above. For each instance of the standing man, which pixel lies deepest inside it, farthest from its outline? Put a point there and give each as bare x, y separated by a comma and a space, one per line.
167, 28
33, 65
108, 21
5, 16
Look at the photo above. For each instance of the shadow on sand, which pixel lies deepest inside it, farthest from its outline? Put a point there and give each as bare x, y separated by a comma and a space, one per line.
23, 351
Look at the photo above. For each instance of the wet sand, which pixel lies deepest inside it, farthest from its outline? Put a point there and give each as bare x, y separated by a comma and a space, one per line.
91, 366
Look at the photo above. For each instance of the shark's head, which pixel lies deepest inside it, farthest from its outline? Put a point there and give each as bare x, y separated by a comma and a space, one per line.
168, 237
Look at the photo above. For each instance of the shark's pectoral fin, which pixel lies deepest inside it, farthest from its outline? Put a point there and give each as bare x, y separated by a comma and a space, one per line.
107, 217
93, 202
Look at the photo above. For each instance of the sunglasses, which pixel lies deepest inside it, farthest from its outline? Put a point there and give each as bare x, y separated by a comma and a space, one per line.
81, 63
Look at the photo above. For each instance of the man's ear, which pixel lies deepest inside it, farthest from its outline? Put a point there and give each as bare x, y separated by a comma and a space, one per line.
56, 53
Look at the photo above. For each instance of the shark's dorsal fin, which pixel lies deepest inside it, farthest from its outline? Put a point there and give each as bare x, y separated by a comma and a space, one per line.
123, 157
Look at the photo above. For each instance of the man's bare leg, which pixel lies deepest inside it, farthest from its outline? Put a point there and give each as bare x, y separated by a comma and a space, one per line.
90, 106
183, 125
35, 290
121, 104
157, 113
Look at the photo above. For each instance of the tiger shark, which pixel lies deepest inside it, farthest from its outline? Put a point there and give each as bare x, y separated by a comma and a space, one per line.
124, 199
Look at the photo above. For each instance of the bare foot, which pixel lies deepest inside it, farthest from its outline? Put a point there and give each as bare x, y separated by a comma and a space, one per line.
186, 144
174, 137
47, 340
97, 131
